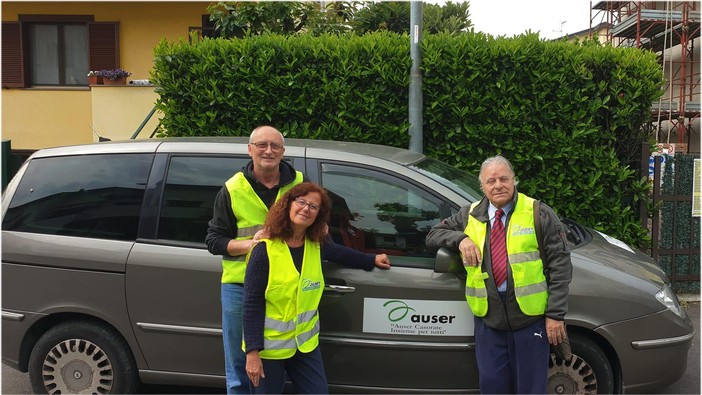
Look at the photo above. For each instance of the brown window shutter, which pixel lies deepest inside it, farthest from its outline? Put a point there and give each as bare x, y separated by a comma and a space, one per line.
103, 45
12, 60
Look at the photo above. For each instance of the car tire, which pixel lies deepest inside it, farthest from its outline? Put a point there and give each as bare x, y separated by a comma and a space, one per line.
588, 372
82, 357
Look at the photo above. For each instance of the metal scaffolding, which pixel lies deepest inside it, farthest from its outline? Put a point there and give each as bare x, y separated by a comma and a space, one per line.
671, 30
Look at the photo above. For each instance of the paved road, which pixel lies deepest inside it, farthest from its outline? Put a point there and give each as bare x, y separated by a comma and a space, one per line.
14, 382
690, 382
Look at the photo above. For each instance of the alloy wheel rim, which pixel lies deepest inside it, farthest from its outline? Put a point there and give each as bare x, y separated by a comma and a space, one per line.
574, 377
77, 366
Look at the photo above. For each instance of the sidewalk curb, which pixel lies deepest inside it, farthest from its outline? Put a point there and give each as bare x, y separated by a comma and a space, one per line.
689, 297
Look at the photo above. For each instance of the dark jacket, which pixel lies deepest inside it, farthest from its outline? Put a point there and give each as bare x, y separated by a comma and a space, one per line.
222, 227
507, 315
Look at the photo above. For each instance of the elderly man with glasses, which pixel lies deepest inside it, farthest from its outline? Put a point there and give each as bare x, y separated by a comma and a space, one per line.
240, 210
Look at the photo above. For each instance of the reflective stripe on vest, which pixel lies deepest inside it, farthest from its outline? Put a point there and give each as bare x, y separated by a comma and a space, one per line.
250, 213
292, 298
526, 268
280, 326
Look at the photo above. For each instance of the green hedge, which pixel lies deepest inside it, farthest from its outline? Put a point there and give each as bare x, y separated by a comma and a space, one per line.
346, 88
565, 114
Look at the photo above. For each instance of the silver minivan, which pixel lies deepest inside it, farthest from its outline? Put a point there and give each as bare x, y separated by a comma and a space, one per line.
106, 280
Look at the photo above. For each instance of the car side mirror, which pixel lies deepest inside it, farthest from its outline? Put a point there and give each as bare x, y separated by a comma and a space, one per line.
448, 261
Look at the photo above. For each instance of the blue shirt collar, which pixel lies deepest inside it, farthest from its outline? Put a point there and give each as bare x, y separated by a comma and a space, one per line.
507, 209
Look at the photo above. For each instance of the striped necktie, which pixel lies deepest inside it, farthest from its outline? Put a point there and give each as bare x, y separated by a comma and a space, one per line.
498, 249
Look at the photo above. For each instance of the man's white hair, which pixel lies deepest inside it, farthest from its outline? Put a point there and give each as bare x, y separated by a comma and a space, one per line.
497, 159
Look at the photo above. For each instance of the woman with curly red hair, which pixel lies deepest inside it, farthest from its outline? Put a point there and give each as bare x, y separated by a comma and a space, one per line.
283, 287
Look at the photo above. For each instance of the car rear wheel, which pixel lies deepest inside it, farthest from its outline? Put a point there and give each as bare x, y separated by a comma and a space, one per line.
80, 357
588, 372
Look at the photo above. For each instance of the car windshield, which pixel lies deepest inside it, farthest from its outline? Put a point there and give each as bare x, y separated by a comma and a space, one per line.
461, 182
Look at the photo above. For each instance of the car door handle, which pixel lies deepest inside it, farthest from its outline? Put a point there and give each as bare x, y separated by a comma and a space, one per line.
341, 289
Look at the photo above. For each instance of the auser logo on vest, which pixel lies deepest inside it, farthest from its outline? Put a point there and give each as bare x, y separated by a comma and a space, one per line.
309, 285
519, 231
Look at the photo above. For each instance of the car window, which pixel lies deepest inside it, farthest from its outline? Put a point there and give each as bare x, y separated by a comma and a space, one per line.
464, 183
97, 196
191, 186
378, 213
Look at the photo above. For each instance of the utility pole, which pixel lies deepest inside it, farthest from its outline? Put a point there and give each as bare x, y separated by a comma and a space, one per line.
416, 101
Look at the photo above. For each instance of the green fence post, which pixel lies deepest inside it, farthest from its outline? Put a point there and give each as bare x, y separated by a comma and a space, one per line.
136, 133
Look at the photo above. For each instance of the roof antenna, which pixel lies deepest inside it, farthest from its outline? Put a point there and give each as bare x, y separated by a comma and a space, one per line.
100, 138
560, 32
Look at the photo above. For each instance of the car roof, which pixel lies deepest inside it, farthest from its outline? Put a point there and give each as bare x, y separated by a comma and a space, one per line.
229, 145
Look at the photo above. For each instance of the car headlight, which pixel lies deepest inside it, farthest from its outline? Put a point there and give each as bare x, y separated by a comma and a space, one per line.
669, 300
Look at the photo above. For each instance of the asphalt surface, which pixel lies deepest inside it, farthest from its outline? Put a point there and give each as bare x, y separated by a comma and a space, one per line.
690, 382
14, 382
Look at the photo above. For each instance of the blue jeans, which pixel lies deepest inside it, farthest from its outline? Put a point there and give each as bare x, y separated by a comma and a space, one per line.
305, 370
232, 334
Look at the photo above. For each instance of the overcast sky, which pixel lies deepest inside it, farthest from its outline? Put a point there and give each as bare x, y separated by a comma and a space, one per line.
510, 17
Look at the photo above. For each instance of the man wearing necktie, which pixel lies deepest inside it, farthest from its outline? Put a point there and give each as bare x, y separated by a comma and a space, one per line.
516, 288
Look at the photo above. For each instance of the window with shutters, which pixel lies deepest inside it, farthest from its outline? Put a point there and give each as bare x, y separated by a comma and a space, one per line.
56, 50
58, 54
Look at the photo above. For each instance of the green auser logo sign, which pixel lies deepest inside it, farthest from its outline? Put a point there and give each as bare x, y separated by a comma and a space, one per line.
400, 309
399, 312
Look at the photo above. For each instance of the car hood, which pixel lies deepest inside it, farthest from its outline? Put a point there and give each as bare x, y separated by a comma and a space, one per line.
612, 282
615, 254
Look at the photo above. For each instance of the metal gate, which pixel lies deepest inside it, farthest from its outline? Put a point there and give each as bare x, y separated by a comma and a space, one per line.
675, 232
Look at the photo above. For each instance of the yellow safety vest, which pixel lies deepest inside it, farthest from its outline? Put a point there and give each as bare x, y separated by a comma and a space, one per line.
527, 270
250, 212
292, 299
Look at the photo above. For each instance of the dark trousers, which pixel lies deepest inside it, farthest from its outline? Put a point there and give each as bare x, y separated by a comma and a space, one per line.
512, 361
305, 370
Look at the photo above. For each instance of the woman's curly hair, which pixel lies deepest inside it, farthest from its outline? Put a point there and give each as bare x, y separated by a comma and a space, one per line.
278, 220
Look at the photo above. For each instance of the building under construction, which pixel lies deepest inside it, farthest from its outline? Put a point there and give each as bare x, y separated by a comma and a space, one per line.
671, 29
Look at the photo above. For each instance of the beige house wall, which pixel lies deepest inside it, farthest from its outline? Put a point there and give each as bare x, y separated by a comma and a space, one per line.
118, 111
46, 118
34, 118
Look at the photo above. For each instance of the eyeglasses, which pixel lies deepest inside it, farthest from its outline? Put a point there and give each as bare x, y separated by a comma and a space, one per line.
302, 203
261, 146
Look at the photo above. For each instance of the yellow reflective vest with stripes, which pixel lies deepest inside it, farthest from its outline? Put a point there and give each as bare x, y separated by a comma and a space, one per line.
250, 213
292, 299
526, 268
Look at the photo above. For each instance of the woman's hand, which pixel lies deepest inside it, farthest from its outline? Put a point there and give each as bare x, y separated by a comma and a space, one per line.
382, 261
254, 367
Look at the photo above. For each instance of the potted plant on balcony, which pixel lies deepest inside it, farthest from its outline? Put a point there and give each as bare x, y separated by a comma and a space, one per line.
114, 76
94, 78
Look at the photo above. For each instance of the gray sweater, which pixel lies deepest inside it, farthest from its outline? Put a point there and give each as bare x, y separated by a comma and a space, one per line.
506, 315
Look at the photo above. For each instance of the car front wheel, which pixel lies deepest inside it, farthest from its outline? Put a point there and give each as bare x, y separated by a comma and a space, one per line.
588, 372
80, 357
